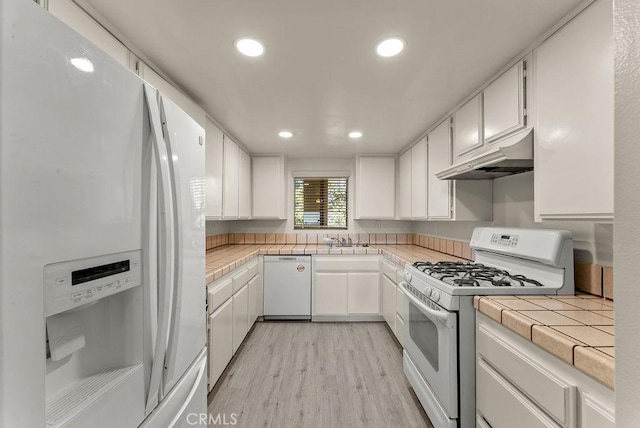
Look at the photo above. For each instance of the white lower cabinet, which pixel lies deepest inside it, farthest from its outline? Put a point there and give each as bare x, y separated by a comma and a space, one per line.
254, 303
400, 329
234, 303
330, 294
346, 288
220, 341
240, 316
518, 381
363, 293
389, 302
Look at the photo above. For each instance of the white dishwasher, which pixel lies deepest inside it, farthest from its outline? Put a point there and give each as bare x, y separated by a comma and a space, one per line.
287, 287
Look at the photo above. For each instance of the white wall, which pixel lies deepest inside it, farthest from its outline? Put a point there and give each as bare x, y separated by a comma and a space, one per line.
513, 207
627, 209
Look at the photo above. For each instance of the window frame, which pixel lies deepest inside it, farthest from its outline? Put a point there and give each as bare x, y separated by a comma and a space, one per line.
337, 175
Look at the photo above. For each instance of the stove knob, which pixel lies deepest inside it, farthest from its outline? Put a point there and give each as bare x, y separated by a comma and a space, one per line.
427, 291
407, 276
435, 296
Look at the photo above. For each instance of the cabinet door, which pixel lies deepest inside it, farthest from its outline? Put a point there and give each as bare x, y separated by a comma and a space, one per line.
376, 189
419, 180
220, 341
595, 413
389, 301
268, 187
253, 300
213, 167
404, 186
330, 294
574, 130
399, 331
230, 179
364, 293
240, 316
466, 125
244, 185
503, 104
439, 158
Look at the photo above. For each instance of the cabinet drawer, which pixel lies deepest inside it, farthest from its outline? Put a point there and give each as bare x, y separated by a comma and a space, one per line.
501, 405
240, 279
252, 267
556, 396
347, 263
219, 293
389, 269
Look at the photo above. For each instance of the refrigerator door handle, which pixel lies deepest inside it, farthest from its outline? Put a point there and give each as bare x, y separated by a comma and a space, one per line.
194, 389
174, 327
165, 246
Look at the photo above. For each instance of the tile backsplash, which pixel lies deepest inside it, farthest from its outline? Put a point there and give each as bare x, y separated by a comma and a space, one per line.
589, 278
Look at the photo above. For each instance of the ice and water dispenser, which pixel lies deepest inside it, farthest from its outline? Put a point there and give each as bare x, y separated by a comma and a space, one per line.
94, 322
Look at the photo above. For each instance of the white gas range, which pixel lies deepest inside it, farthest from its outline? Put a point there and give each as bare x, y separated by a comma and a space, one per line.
439, 354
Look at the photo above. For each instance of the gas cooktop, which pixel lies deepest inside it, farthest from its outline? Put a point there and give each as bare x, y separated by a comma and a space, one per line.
460, 274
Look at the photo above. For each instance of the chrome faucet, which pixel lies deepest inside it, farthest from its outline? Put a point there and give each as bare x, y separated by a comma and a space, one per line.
350, 243
343, 243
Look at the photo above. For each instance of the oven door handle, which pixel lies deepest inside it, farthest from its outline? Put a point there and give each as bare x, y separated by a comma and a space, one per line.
443, 317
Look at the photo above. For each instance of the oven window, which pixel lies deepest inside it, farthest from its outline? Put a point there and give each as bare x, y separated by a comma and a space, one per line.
424, 334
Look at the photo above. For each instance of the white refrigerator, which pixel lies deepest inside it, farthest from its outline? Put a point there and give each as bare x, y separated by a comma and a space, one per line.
102, 276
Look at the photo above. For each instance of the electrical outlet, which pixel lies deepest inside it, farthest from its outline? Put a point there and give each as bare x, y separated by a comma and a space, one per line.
378, 224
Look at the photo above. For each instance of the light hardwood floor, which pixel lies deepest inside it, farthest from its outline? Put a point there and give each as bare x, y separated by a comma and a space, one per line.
294, 374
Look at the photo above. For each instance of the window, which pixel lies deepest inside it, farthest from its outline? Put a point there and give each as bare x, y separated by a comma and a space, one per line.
320, 203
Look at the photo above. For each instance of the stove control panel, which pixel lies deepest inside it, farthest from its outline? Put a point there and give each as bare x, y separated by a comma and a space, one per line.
504, 240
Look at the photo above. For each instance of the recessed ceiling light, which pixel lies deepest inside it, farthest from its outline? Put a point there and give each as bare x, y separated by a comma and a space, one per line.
390, 47
355, 134
285, 134
82, 64
249, 47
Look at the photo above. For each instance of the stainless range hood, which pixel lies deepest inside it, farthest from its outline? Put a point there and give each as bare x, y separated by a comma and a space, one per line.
509, 156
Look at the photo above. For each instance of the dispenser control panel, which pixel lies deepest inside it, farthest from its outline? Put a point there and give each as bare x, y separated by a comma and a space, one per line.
71, 284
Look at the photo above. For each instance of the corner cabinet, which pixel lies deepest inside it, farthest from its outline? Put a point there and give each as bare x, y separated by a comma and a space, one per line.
404, 186
214, 150
230, 180
463, 200
419, 180
574, 141
376, 187
268, 187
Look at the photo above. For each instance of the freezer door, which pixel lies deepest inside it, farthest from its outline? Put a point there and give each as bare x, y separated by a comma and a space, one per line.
187, 328
186, 404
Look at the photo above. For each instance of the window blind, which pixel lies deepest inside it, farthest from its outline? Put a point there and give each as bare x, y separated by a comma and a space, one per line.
320, 203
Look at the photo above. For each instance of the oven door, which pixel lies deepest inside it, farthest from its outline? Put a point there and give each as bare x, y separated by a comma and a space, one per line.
431, 340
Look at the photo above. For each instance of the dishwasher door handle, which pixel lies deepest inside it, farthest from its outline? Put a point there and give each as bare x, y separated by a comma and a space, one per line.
287, 258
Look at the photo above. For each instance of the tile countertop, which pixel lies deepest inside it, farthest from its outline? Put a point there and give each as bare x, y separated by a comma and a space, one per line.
222, 260
577, 329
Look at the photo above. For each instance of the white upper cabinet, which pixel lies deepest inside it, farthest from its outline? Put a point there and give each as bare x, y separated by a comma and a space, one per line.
230, 179
244, 185
419, 180
466, 124
574, 150
213, 166
439, 158
503, 104
268, 187
376, 187
404, 185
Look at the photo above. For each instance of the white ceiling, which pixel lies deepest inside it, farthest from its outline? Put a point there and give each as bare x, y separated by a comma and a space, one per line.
320, 77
